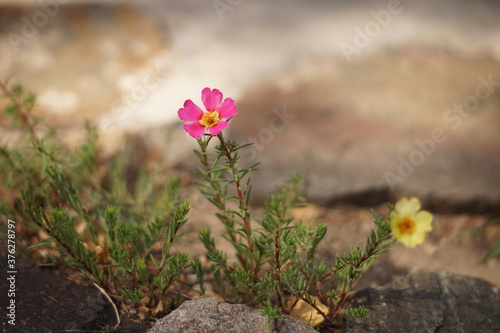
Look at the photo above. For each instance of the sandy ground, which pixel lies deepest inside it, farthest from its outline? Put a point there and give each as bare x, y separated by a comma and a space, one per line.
457, 244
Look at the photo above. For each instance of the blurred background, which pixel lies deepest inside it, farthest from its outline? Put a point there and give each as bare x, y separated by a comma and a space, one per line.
370, 100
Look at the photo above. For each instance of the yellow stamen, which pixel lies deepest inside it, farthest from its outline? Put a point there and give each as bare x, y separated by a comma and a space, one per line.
210, 119
407, 226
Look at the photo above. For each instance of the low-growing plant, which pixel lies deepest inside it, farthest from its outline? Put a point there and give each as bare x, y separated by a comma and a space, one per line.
120, 235
117, 233
276, 265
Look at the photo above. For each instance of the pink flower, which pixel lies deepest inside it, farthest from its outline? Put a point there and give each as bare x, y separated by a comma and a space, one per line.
214, 118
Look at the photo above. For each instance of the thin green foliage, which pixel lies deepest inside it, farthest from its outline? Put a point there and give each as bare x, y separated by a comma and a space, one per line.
120, 234
94, 219
276, 256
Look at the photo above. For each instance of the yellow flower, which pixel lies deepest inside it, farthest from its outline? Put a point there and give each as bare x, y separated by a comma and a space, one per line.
408, 223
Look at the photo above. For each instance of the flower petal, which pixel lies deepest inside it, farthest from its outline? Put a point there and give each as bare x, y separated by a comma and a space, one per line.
227, 109
409, 225
211, 99
423, 220
405, 207
190, 111
413, 240
214, 130
196, 130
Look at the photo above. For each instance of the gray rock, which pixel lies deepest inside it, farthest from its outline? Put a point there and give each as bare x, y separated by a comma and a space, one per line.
208, 315
83, 60
424, 302
46, 303
430, 302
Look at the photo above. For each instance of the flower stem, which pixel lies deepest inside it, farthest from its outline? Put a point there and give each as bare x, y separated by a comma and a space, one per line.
356, 272
244, 211
277, 269
220, 203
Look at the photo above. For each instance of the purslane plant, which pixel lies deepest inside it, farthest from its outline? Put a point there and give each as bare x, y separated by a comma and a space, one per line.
276, 265
120, 235
87, 220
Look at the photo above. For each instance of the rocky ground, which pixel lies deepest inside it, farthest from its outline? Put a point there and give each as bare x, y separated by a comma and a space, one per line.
369, 100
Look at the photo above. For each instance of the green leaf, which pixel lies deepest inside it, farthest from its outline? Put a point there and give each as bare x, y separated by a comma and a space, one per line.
44, 243
494, 251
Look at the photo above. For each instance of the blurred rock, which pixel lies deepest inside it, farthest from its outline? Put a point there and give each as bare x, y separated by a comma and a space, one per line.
208, 315
411, 121
393, 121
83, 60
430, 302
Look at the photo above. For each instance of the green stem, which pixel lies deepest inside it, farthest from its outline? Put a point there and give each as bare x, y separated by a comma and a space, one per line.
220, 202
277, 273
354, 276
242, 204
24, 115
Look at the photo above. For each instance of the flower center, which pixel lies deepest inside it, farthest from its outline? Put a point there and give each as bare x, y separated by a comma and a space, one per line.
407, 226
210, 119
